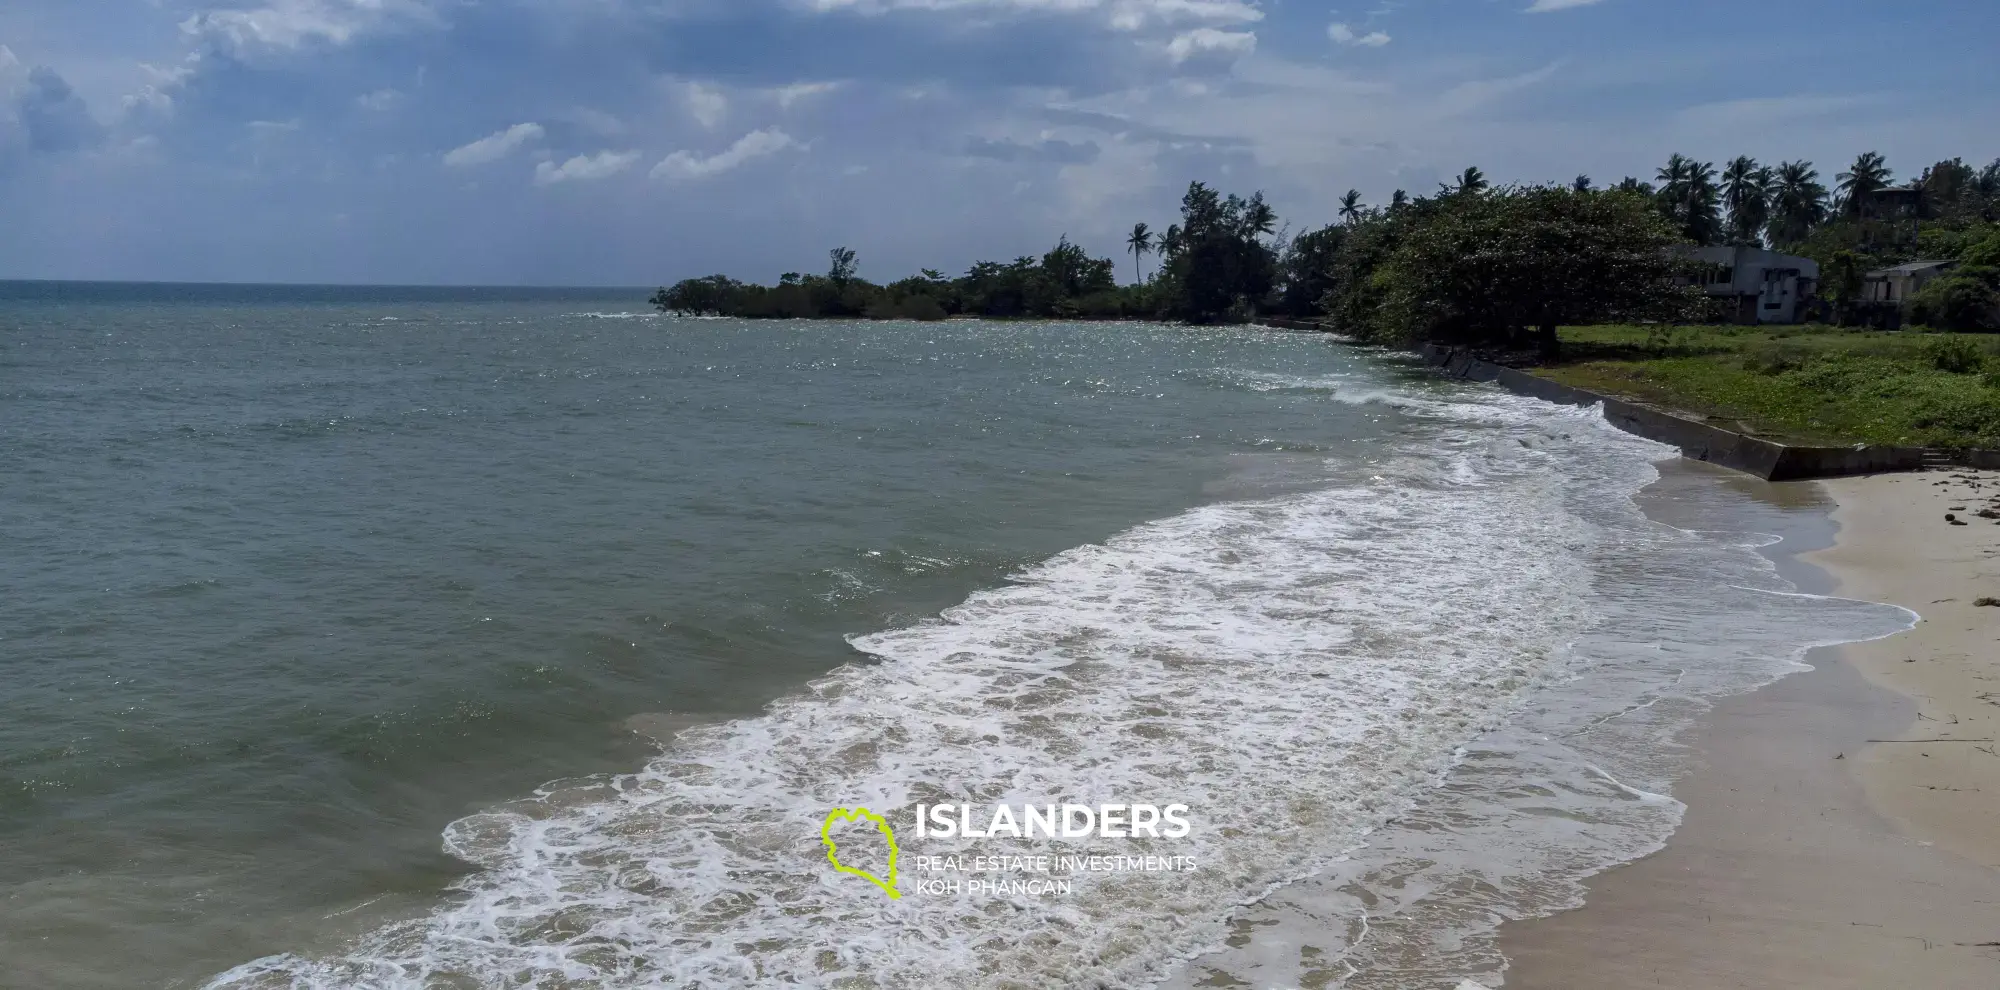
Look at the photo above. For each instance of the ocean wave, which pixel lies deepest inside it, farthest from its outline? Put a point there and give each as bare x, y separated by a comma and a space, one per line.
1297, 670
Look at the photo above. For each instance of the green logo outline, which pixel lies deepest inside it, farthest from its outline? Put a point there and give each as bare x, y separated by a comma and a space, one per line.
833, 854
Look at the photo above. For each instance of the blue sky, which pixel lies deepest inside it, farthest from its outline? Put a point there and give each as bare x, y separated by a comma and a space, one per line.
641, 141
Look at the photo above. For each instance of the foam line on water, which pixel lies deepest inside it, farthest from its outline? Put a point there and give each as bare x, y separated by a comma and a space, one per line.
1299, 670
1295, 669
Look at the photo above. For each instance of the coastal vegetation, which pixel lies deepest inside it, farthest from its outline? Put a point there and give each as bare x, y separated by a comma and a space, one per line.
1587, 285
1800, 384
1471, 263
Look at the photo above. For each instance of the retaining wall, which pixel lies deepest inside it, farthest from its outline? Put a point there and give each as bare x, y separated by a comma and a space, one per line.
1697, 440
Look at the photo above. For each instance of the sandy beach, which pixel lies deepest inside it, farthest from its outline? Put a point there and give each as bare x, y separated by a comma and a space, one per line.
1813, 854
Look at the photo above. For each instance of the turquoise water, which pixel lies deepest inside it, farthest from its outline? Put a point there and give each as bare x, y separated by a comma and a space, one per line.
421, 638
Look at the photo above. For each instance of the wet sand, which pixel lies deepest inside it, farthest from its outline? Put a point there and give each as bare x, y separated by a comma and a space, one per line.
1809, 856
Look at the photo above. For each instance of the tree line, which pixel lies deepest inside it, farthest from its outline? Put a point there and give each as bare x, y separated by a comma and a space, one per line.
1470, 262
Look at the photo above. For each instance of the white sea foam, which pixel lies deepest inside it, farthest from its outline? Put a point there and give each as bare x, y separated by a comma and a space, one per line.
1298, 670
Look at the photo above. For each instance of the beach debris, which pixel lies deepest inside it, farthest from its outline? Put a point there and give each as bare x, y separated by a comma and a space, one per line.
1987, 602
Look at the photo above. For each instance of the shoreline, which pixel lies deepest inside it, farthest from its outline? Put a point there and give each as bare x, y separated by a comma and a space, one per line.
1808, 856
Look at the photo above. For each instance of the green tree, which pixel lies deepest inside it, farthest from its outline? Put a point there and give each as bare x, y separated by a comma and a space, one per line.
1798, 204
1634, 186
1964, 300
1259, 219
1580, 184
1746, 192
1689, 197
1399, 198
1221, 270
1140, 243
1305, 269
1350, 206
714, 295
843, 266
1470, 182
1512, 266
1867, 176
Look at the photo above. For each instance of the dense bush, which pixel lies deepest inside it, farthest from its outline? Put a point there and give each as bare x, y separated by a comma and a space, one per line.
1511, 265
1963, 300
1954, 354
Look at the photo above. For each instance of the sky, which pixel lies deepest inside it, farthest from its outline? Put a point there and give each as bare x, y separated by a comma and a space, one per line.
637, 142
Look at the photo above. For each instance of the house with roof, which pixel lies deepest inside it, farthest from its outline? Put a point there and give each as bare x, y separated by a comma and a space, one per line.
1898, 283
1755, 285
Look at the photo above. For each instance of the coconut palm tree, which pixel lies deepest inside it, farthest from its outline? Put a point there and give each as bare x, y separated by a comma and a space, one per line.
1170, 242
1580, 184
1867, 176
1798, 204
1140, 244
1399, 199
1470, 182
1689, 197
1350, 206
1746, 191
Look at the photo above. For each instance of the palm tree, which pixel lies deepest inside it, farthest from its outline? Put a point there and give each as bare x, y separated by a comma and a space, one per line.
1867, 176
1170, 241
1350, 206
1140, 243
1634, 186
1673, 175
1689, 197
1580, 184
1746, 190
1798, 204
1399, 199
1471, 182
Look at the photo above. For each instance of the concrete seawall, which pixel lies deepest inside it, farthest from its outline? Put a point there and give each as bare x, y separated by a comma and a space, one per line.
1697, 440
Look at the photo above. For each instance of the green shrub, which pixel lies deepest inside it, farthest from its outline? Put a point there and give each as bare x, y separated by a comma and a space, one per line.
1974, 414
1957, 355
1985, 253
1964, 300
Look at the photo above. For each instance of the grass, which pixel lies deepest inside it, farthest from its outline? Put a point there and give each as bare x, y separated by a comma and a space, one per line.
1800, 384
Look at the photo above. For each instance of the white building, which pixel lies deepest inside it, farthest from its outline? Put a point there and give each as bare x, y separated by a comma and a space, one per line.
1760, 286
1898, 284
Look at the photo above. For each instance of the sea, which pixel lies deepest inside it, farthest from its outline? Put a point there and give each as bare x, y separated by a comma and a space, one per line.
363, 637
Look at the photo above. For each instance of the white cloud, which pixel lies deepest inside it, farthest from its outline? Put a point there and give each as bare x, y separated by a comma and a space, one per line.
1544, 6
584, 168
493, 147
706, 104
1346, 36
1125, 15
788, 95
1205, 40
1130, 15
289, 24
756, 144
